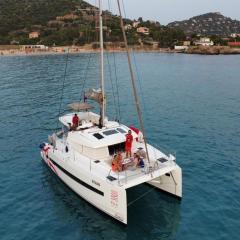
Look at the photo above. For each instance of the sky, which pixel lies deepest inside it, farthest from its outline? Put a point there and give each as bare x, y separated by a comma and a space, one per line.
166, 11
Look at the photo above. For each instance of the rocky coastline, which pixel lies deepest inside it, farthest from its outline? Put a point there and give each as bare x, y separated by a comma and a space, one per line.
213, 50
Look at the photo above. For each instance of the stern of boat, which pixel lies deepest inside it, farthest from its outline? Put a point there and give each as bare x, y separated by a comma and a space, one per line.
170, 182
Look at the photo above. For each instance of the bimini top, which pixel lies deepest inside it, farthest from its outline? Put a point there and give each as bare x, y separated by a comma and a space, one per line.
80, 106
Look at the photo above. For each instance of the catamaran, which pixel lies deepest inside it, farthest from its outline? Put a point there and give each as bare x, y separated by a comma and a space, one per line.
82, 158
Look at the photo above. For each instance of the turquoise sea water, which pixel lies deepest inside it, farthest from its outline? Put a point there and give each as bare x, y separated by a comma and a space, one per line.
191, 106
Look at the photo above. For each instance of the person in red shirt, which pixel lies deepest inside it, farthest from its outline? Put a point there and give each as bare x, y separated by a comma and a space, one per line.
75, 121
128, 144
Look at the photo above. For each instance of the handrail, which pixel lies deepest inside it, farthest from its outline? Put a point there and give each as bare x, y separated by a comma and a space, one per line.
149, 168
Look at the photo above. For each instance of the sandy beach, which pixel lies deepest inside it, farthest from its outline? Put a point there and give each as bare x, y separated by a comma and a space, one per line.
21, 51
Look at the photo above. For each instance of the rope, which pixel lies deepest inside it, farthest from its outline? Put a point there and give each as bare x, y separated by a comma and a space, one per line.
141, 196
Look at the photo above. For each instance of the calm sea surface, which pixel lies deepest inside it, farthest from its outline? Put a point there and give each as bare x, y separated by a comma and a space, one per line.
191, 106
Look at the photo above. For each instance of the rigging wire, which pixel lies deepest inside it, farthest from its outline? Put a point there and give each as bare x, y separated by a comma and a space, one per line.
139, 78
85, 77
63, 85
115, 73
124, 11
113, 91
141, 196
117, 86
137, 103
89, 58
115, 95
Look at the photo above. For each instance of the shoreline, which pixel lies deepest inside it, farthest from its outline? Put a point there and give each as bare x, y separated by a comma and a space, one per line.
18, 51
76, 50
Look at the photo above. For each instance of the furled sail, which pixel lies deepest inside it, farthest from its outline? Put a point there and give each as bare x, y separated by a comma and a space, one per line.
95, 95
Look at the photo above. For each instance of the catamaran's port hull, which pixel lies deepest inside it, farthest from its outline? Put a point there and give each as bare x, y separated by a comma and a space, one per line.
111, 200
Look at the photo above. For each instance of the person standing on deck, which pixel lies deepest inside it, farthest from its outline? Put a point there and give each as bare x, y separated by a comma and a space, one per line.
75, 121
128, 144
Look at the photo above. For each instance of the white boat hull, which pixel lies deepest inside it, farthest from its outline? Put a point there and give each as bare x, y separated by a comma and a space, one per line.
109, 197
111, 200
170, 182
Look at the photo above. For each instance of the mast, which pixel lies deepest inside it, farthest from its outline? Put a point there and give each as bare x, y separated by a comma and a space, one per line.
103, 106
136, 98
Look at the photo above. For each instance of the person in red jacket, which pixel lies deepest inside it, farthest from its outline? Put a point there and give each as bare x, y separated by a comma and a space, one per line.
128, 144
75, 121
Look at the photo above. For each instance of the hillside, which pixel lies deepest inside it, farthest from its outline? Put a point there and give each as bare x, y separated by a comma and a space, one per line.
67, 22
18, 18
208, 24
15, 14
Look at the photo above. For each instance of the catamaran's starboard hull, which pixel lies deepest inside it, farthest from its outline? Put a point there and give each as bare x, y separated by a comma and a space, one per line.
111, 200
170, 183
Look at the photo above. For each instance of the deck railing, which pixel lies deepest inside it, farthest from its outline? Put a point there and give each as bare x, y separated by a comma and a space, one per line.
147, 169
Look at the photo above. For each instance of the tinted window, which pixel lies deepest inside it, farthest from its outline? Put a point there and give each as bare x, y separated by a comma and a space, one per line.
110, 132
98, 136
116, 147
121, 130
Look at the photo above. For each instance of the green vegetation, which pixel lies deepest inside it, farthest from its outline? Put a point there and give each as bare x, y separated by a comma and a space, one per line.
63, 22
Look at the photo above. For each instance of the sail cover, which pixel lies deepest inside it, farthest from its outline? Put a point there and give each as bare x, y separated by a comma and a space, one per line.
78, 106
95, 95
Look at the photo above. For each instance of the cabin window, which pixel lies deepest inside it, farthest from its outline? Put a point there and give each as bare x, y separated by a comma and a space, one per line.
121, 130
116, 148
98, 136
109, 132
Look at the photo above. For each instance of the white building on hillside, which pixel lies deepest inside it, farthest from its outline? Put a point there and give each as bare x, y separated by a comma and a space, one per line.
143, 30
235, 35
128, 27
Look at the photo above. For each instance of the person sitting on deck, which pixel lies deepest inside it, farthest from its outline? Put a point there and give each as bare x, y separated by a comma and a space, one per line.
117, 162
133, 163
141, 153
75, 122
135, 160
69, 127
128, 144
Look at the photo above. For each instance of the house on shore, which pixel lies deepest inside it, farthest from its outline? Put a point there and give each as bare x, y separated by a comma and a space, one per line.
184, 45
128, 27
34, 47
204, 41
235, 35
180, 48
